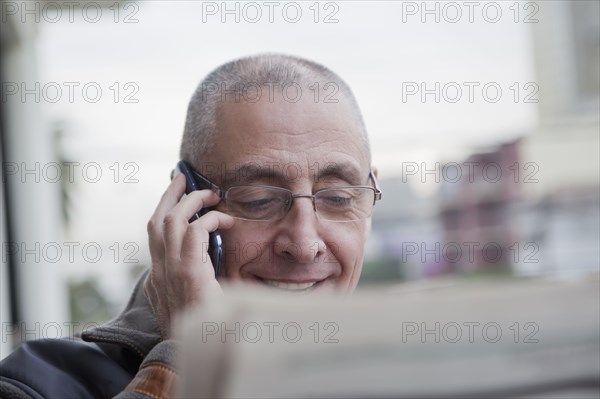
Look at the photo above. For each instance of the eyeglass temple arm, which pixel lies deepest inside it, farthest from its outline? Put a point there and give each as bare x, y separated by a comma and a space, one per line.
378, 192
207, 183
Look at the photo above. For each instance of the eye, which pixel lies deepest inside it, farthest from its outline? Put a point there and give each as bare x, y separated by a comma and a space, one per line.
336, 200
255, 202
258, 204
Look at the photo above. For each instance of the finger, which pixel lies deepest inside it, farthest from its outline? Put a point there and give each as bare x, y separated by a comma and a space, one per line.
176, 221
194, 248
196, 200
169, 199
214, 220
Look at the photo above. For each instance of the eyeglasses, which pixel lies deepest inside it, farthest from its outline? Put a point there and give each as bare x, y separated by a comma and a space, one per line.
268, 203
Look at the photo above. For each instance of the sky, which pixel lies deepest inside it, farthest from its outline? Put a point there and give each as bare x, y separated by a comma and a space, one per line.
153, 54
169, 49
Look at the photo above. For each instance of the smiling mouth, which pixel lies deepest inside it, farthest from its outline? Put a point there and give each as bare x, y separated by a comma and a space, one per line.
292, 287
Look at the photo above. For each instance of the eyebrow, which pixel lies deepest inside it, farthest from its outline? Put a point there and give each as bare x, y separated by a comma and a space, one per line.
341, 171
251, 172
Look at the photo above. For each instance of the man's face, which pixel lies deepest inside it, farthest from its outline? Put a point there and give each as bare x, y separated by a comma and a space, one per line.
303, 147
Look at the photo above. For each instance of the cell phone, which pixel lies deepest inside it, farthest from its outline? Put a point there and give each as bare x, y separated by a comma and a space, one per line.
215, 244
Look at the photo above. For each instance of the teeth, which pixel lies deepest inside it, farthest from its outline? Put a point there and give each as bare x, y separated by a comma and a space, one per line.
289, 286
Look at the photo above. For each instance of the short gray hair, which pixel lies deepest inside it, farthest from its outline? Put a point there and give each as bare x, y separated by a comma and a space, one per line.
235, 77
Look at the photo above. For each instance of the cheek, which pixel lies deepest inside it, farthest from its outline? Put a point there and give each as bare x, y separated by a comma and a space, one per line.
241, 246
347, 245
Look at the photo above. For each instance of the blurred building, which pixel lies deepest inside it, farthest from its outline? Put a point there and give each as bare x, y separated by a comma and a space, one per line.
530, 206
562, 207
403, 223
479, 202
542, 214
32, 293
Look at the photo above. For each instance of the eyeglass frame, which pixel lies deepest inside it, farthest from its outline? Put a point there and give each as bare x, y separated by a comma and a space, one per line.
222, 193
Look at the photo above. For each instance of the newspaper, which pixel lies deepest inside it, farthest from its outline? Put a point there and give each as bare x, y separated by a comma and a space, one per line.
449, 338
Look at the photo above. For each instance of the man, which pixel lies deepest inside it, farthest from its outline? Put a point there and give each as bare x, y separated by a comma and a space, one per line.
283, 142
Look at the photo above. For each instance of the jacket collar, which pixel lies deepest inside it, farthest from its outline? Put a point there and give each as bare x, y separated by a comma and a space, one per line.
135, 328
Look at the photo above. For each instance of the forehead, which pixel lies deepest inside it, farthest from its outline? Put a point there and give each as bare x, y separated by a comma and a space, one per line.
306, 133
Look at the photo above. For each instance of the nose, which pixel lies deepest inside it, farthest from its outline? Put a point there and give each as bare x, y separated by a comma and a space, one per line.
298, 238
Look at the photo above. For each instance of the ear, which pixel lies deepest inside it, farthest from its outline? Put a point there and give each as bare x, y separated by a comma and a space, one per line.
375, 171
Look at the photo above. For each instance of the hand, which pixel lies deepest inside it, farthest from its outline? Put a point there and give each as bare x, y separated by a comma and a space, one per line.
181, 268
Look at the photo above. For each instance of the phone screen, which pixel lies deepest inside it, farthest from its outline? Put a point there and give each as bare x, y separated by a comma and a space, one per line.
215, 250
